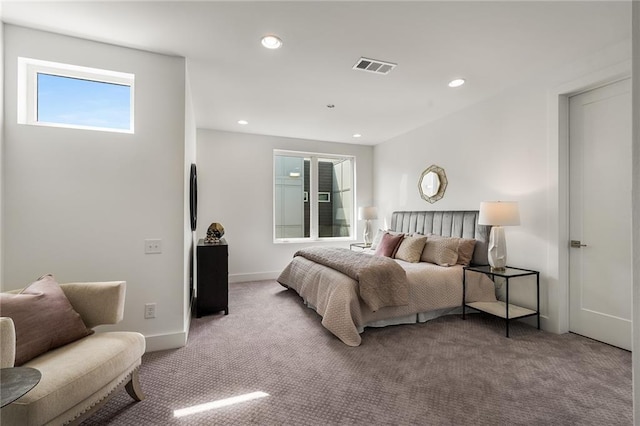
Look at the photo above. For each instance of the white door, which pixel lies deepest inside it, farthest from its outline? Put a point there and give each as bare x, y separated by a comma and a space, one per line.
600, 214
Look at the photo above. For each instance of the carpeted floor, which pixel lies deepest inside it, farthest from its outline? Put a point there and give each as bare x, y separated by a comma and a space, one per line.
444, 372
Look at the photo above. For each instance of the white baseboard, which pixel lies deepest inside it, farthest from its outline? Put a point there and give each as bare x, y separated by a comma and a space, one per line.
161, 342
255, 276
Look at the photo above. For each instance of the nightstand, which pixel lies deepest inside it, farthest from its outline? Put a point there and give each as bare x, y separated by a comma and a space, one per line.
499, 308
361, 246
213, 278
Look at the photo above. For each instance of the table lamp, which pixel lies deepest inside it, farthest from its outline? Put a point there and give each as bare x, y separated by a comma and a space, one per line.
498, 214
367, 214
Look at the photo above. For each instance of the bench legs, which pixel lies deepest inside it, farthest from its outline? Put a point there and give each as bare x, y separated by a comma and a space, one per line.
133, 387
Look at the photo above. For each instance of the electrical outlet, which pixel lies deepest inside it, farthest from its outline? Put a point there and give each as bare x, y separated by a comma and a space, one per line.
153, 246
149, 310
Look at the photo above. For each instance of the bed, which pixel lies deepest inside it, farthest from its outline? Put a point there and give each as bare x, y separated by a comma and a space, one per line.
433, 290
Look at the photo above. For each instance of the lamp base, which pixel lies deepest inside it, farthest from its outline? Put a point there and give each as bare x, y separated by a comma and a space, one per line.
497, 249
366, 235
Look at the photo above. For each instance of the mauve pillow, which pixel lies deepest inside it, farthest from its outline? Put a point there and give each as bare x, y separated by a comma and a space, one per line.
389, 245
43, 317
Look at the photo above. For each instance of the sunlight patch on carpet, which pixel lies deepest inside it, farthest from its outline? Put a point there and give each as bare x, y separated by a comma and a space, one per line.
219, 403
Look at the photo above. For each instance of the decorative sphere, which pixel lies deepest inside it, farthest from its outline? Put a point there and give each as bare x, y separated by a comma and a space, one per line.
215, 232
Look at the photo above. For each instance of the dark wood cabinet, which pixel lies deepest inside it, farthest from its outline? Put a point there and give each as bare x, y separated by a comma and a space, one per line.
212, 293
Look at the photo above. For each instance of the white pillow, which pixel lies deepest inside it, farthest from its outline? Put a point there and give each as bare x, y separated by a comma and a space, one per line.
377, 239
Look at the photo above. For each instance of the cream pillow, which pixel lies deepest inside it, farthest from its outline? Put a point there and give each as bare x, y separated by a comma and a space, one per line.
443, 252
410, 248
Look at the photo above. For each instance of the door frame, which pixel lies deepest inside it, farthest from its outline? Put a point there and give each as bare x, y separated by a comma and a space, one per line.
558, 144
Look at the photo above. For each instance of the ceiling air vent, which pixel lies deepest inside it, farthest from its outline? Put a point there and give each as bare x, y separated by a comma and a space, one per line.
374, 65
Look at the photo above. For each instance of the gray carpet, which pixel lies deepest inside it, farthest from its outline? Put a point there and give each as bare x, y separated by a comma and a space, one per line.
444, 372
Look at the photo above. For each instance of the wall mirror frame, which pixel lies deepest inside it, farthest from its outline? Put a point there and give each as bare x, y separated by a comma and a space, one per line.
193, 197
432, 183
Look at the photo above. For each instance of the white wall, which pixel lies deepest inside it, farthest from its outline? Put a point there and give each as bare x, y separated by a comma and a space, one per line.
499, 149
235, 176
80, 204
1, 138
636, 211
189, 237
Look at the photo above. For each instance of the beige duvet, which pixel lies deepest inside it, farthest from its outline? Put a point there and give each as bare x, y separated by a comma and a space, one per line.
335, 296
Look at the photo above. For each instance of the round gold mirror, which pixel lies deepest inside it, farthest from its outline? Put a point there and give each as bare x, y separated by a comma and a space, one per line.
432, 183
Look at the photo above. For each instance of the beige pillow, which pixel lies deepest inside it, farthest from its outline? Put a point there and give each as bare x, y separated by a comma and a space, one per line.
465, 248
441, 251
410, 248
43, 317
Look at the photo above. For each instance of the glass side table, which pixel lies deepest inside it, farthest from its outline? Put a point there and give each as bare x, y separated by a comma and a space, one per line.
17, 381
361, 246
499, 308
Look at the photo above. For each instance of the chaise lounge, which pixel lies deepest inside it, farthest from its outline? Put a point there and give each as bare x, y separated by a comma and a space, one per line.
80, 376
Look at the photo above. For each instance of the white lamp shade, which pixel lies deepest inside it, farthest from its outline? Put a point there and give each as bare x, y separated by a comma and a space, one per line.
367, 213
499, 213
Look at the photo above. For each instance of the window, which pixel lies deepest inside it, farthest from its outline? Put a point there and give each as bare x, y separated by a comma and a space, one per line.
313, 196
61, 95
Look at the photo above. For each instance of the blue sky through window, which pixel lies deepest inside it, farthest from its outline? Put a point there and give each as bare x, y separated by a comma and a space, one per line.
74, 101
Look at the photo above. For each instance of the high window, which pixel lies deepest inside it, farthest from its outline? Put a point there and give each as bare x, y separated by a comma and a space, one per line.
62, 95
314, 196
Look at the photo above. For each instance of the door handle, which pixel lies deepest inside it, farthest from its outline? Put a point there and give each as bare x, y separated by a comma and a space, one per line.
577, 244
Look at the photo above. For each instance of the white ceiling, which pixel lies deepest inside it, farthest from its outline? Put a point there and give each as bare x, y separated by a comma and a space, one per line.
493, 45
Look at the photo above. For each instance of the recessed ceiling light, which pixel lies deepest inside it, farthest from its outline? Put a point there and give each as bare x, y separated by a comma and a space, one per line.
357, 135
271, 42
243, 122
457, 82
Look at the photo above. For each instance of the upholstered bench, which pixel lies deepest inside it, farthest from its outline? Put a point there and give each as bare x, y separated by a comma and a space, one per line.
78, 377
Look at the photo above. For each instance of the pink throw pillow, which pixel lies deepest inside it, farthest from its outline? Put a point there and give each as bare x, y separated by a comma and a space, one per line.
389, 245
43, 317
